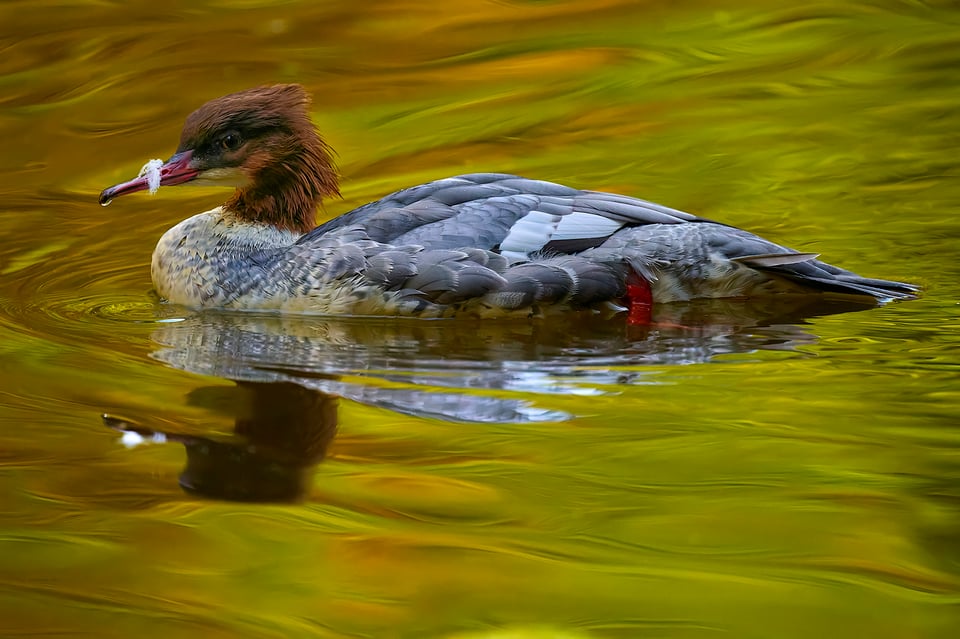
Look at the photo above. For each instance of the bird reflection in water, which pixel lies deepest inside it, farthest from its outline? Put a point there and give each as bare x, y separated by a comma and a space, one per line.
293, 370
281, 432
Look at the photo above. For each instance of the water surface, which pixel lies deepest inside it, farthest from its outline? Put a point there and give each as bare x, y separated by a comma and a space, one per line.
742, 470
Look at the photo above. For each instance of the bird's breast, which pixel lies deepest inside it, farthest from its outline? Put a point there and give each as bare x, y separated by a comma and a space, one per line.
211, 259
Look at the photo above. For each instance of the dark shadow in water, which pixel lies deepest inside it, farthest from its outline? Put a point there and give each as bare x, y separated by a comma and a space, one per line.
281, 431
292, 370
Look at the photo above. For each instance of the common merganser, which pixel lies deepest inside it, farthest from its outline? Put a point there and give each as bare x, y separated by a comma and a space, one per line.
482, 244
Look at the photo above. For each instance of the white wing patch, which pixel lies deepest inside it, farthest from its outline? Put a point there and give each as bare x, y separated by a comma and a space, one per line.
529, 234
583, 225
536, 229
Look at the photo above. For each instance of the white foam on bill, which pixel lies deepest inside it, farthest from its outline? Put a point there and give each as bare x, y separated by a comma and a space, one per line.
152, 170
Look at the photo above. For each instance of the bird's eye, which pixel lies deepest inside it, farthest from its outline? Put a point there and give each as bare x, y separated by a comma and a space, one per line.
231, 141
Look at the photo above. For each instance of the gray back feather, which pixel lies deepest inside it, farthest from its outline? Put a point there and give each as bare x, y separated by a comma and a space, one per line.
442, 241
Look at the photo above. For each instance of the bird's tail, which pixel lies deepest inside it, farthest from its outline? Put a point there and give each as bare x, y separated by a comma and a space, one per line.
805, 269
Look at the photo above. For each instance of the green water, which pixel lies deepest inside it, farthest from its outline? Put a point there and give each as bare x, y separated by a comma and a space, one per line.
736, 470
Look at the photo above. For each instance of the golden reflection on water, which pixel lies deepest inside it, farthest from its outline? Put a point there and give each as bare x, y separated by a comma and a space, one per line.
753, 472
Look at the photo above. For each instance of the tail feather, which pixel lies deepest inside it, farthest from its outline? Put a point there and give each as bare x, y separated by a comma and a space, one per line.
826, 277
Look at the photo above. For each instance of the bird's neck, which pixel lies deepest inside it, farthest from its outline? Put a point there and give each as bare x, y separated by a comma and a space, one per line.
286, 194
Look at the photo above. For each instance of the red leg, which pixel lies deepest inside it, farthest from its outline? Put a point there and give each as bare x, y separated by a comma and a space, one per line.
640, 298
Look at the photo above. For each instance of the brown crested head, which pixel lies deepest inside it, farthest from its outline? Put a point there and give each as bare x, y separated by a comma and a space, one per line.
264, 141
261, 141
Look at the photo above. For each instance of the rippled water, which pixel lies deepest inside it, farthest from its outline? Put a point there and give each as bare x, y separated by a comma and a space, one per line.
738, 470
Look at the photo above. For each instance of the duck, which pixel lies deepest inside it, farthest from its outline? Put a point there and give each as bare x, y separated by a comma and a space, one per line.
480, 244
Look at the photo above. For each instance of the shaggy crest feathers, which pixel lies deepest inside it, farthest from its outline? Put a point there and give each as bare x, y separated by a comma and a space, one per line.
291, 169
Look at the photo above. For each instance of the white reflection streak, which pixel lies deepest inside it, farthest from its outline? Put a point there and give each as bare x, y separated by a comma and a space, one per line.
131, 439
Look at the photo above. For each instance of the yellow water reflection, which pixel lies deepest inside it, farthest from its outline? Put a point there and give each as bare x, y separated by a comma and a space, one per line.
747, 472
